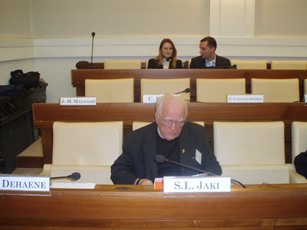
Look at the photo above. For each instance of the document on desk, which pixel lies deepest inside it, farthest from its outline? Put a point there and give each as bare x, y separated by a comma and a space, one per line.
66, 185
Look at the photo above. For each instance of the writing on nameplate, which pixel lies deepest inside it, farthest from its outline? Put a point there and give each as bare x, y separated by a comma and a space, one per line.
78, 101
200, 185
248, 98
151, 98
196, 184
25, 183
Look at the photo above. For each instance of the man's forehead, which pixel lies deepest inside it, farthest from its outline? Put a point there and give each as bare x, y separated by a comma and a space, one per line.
203, 44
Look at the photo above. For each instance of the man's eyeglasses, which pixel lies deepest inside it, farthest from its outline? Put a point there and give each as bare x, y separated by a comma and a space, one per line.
169, 122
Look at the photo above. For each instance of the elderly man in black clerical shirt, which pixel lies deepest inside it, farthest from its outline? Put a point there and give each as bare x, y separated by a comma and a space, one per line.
170, 136
208, 58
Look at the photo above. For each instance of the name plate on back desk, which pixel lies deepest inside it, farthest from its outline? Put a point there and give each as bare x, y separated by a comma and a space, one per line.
248, 98
151, 98
197, 184
78, 101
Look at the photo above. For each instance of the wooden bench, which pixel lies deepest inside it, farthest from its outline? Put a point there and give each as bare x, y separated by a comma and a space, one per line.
45, 114
79, 76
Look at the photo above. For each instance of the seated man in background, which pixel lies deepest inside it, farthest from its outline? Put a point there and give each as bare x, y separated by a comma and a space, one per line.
171, 136
208, 58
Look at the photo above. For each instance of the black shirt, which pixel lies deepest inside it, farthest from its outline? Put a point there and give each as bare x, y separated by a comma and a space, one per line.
170, 149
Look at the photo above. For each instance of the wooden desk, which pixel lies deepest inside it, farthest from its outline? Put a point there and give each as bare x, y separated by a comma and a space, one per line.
79, 76
139, 207
45, 114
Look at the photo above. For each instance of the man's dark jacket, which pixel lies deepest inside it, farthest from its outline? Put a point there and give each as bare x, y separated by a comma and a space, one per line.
139, 150
199, 62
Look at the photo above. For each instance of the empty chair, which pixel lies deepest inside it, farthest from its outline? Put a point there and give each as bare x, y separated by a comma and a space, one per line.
165, 86
299, 144
216, 90
251, 152
294, 65
122, 64
110, 90
276, 90
139, 124
86, 147
187, 64
250, 64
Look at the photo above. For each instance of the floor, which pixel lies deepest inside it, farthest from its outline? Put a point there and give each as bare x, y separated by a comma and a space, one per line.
34, 149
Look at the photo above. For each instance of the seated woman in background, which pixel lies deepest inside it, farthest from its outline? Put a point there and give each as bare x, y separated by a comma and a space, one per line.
167, 58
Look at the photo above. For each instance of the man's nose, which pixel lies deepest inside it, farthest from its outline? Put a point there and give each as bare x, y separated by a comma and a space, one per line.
173, 125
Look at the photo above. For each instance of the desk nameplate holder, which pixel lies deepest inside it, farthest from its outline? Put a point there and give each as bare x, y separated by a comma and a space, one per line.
70, 101
196, 184
151, 98
245, 98
31, 185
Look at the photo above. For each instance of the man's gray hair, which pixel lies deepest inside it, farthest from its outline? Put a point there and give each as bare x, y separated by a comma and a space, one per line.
160, 101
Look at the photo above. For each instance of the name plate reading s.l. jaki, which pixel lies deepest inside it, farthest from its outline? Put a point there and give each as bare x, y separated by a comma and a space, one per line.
78, 101
25, 183
246, 98
197, 184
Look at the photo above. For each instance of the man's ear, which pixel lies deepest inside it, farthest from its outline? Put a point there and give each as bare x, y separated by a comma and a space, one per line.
156, 117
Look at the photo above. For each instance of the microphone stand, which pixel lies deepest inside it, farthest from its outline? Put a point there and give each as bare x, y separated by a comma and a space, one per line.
73, 177
93, 35
187, 90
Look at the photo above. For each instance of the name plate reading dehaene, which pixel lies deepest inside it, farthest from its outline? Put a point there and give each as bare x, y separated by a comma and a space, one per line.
25, 183
248, 98
78, 101
151, 98
196, 184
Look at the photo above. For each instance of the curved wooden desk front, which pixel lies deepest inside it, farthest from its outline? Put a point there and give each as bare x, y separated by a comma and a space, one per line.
137, 207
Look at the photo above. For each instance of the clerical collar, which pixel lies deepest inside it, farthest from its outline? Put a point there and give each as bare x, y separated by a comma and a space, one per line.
160, 135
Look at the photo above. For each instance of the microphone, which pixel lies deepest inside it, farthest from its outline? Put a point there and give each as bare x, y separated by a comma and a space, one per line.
73, 177
93, 35
187, 90
223, 67
161, 159
228, 67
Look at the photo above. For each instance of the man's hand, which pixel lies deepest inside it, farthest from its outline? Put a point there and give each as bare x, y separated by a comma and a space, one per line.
145, 182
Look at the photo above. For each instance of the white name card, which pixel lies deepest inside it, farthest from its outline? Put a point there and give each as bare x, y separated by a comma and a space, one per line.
197, 184
151, 98
78, 101
248, 98
305, 96
25, 183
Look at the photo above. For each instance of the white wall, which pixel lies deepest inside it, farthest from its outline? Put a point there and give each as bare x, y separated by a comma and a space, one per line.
281, 18
51, 36
16, 49
78, 18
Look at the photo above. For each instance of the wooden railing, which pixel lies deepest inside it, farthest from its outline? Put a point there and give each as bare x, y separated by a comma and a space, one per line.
79, 76
140, 207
